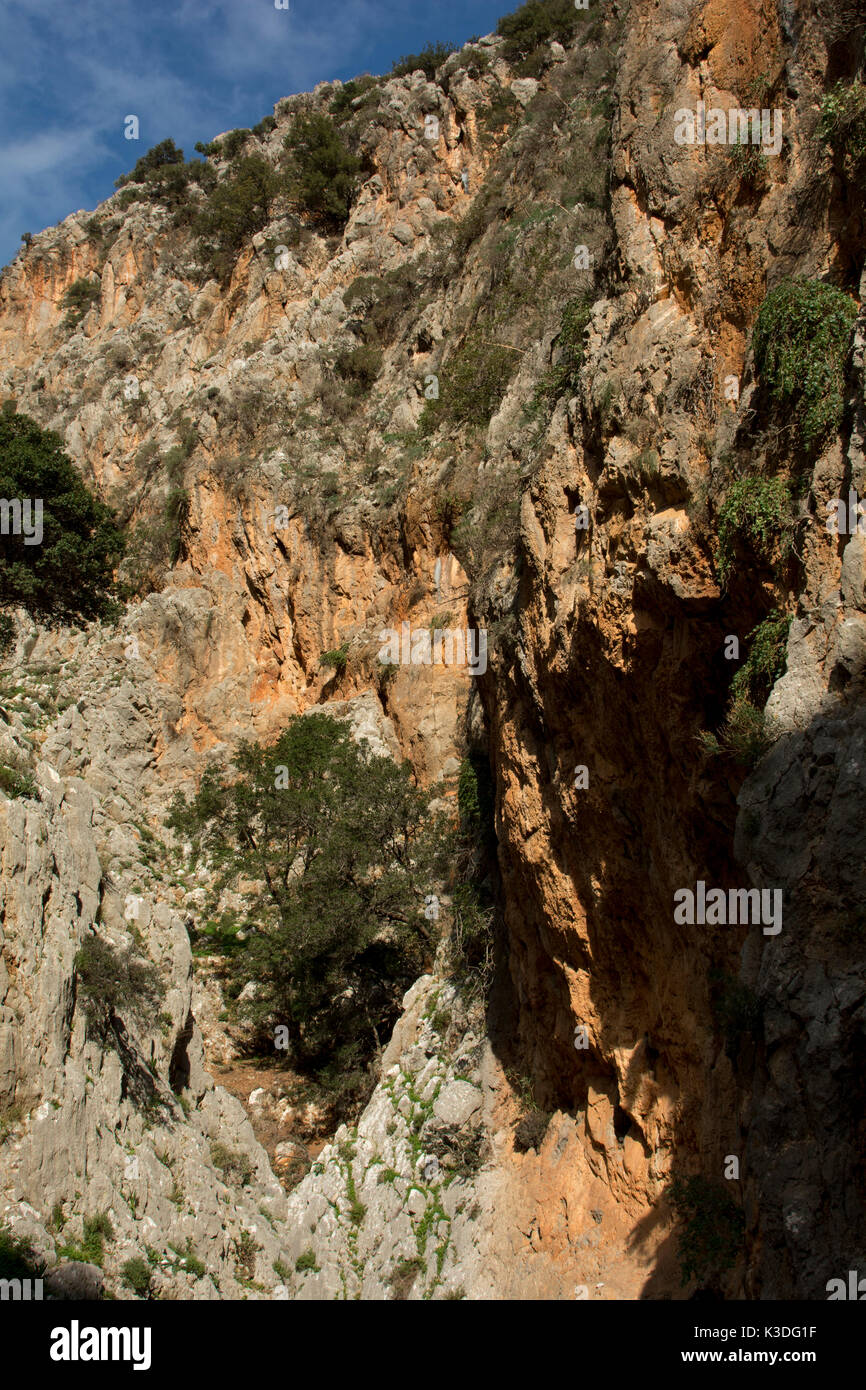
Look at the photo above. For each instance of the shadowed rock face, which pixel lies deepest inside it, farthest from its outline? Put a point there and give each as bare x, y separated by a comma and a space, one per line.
320, 515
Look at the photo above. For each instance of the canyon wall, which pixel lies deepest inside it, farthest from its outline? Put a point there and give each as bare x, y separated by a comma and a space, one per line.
571, 510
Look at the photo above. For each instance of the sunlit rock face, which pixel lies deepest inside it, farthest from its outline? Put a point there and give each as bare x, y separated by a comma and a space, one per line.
568, 508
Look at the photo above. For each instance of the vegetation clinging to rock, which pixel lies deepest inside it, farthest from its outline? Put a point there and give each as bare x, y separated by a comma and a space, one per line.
800, 342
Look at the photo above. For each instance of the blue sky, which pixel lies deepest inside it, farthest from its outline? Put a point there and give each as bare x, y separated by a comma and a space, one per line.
71, 70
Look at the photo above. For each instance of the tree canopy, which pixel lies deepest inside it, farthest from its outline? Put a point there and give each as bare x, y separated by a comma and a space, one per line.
322, 171
344, 850
66, 576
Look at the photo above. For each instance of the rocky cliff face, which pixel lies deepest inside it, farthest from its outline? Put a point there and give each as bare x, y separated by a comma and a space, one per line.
582, 288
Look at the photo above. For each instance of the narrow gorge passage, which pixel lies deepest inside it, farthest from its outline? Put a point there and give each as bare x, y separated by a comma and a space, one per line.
433, 628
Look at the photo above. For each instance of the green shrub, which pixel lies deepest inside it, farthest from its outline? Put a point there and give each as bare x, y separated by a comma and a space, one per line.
307, 819
18, 1259
746, 734
563, 378
748, 160
68, 577
322, 171
16, 783
341, 104
843, 123
161, 156
191, 1263
137, 1275
475, 799
336, 659
429, 59
235, 1167
237, 208
711, 1226
233, 143
306, 1261
756, 513
766, 660
381, 300
359, 365
97, 1230
8, 633
403, 1276
112, 982
162, 176
501, 111
80, 296
800, 342
246, 1249
534, 26
472, 384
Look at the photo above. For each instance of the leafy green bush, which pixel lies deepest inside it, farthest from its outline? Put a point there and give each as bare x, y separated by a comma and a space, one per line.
472, 384
843, 123
112, 982
563, 378
237, 208
429, 59
711, 1229
97, 1230
342, 848
67, 578
336, 658
748, 160
475, 799
137, 1275
80, 296
533, 27
265, 126
403, 1276
322, 171
756, 513
162, 176
766, 660
188, 1260
341, 104
800, 342
359, 365
161, 156
746, 734
246, 1249
306, 1261
18, 1259
233, 143
381, 300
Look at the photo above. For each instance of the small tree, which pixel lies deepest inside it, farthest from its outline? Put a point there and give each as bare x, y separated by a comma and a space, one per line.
237, 208
322, 171
67, 575
344, 850
112, 982
800, 343
428, 60
161, 155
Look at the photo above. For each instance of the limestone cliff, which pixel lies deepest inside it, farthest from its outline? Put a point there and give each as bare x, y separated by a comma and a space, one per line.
581, 287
